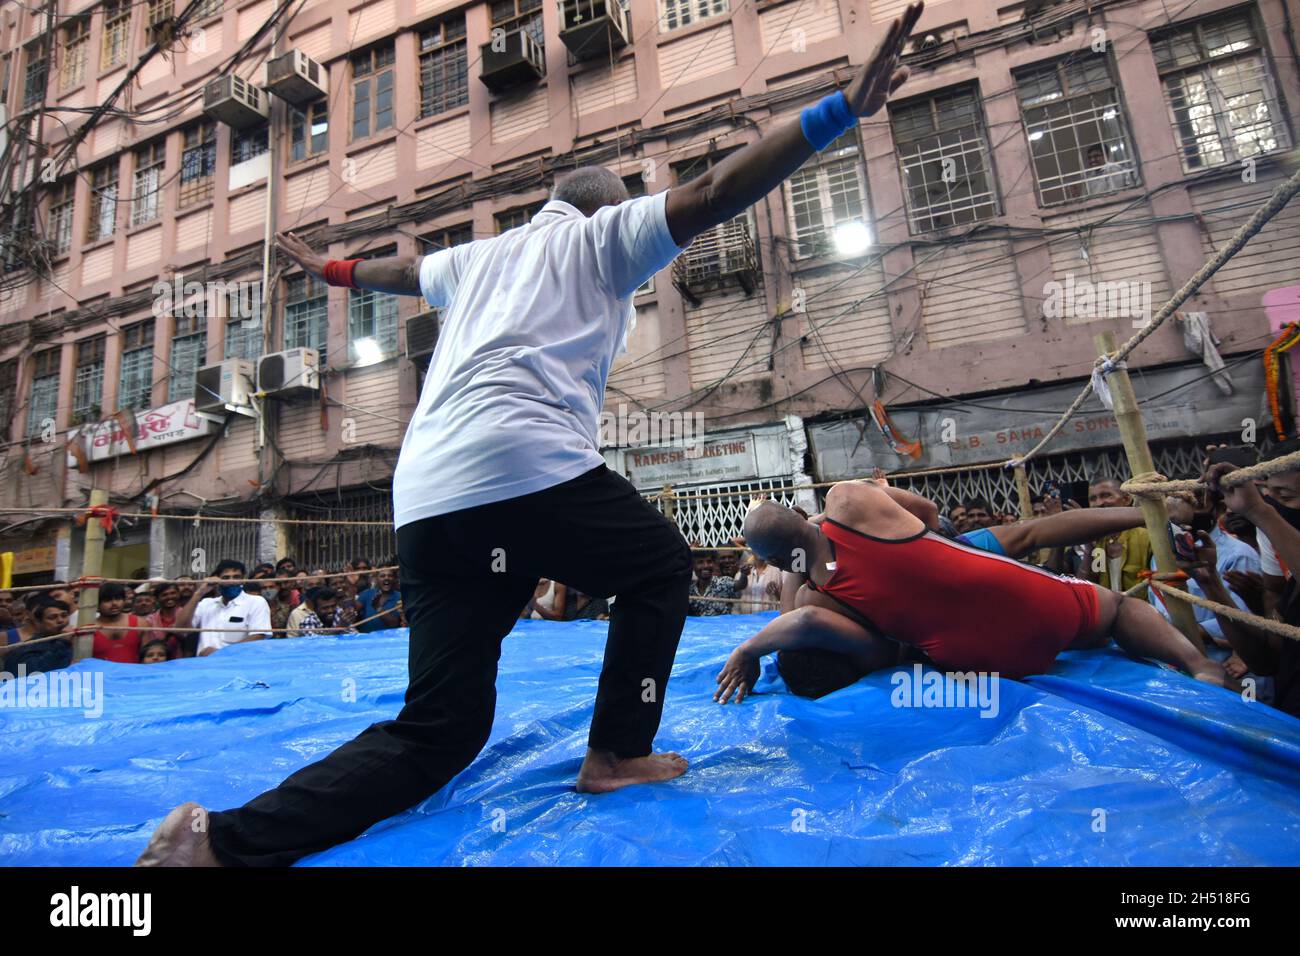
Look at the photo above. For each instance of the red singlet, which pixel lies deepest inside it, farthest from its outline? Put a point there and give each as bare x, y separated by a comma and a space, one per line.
120, 646
968, 610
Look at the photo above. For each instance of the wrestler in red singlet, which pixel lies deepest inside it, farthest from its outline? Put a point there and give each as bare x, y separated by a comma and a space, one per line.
967, 609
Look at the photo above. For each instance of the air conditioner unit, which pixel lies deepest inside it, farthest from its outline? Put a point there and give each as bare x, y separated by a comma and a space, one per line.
422, 334
296, 78
235, 102
289, 374
218, 386
510, 60
593, 28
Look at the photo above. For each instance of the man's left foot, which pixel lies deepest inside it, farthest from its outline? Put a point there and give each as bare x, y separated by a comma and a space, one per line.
181, 840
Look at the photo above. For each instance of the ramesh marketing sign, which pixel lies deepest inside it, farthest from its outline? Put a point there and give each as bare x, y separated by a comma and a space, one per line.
165, 425
1176, 403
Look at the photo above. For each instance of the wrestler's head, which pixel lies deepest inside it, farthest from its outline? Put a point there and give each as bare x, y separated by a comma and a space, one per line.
589, 187
778, 535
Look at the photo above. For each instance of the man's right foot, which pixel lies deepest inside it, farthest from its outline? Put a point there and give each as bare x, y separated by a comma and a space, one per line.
181, 840
602, 772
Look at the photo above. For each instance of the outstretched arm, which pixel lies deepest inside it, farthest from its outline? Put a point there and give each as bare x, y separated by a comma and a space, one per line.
749, 174
808, 627
1064, 529
398, 275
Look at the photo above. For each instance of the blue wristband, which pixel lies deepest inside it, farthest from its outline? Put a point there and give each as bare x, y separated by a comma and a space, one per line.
827, 121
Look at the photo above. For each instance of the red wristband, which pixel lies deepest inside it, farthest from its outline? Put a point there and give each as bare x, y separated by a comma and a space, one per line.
339, 272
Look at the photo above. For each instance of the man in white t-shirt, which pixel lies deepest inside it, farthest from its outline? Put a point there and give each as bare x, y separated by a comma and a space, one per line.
227, 613
500, 482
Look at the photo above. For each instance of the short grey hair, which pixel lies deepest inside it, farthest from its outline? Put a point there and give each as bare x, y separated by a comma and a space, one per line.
590, 187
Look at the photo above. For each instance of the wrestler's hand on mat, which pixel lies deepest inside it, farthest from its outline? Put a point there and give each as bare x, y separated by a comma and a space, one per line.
301, 253
882, 74
737, 677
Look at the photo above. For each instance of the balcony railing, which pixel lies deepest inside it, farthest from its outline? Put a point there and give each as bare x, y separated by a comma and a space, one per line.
717, 256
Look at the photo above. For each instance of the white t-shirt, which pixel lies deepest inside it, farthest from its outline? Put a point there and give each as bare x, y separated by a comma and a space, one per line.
248, 611
1268, 562
533, 320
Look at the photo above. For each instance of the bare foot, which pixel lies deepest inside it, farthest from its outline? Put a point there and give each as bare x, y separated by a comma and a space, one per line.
1212, 672
602, 772
181, 840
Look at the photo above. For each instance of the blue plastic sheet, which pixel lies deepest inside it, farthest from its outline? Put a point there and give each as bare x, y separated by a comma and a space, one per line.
1106, 760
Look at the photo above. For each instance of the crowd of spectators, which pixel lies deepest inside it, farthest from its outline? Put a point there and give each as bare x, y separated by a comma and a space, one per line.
158, 620
1219, 545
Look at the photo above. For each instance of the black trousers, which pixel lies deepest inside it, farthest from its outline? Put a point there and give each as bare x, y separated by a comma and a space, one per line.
465, 578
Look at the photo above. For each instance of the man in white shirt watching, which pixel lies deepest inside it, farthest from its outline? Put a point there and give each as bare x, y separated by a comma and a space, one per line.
500, 482
227, 609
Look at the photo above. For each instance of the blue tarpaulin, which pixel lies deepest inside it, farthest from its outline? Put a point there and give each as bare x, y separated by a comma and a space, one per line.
1105, 761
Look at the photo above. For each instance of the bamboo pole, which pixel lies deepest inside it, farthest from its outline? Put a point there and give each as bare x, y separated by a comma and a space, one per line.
1128, 415
92, 566
1022, 492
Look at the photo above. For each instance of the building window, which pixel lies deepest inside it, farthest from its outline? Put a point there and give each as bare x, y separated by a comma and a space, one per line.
160, 11
76, 40
519, 216
209, 8
372, 91
1077, 134
61, 215
444, 70
943, 153
147, 185
246, 144
681, 13
44, 406
446, 238
1222, 99
117, 33
826, 200
306, 314
189, 349
511, 15
198, 164
244, 322
309, 131
372, 322
88, 387
103, 202
135, 385
36, 77
8, 395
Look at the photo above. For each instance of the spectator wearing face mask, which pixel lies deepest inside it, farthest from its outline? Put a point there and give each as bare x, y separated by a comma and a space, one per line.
273, 593
225, 612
